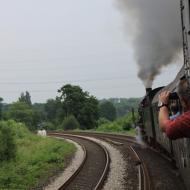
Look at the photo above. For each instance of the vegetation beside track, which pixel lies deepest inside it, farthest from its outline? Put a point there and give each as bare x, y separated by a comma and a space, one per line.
122, 125
131, 132
36, 159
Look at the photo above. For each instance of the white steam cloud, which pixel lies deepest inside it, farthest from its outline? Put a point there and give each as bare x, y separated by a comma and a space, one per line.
156, 28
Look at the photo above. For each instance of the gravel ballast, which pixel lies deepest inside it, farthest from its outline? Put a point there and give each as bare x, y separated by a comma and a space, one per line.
115, 179
67, 173
117, 173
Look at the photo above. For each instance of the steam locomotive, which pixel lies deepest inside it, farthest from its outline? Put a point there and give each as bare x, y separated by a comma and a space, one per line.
178, 150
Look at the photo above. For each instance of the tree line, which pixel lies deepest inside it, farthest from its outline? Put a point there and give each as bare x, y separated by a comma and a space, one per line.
72, 108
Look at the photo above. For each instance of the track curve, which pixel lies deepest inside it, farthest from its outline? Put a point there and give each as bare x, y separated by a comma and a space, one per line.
144, 178
93, 171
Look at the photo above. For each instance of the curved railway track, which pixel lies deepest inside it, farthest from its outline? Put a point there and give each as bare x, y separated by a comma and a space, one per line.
117, 137
118, 140
144, 177
143, 174
93, 170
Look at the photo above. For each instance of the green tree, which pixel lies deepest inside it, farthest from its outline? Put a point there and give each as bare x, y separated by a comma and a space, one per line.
25, 98
80, 104
108, 110
89, 113
102, 121
130, 120
48, 125
39, 112
54, 111
123, 105
21, 112
70, 123
7, 143
1, 108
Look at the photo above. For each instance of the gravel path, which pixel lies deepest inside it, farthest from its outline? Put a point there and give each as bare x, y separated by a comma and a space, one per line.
75, 163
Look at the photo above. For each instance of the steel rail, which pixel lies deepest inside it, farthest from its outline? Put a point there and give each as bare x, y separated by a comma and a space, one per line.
100, 133
144, 177
106, 170
69, 180
100, 182
108, 136
126, 138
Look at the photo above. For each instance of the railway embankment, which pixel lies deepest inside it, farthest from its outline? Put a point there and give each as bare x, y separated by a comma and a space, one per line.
36, 158
132, 166
98, 171
72, 167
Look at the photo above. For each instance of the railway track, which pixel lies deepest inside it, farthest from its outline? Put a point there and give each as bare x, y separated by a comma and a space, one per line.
144, 177
94, 168
117, 137
143, 174
144, 180
118, 140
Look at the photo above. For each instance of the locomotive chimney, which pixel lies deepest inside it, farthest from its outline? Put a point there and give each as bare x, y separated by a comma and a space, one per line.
148, 90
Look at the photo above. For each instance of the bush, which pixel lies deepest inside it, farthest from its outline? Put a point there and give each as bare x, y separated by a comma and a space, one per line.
126, 126
37, 159
110, 127
120, 125
7, 142
48, 125
70, 123
102, 121
19, 129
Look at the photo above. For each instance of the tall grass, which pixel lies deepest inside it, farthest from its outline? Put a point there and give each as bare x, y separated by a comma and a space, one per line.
37, 158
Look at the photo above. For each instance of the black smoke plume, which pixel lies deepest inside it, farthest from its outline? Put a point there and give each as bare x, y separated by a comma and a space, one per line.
155, 26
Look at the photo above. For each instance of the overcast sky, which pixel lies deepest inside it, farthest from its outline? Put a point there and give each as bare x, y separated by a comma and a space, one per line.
45, 44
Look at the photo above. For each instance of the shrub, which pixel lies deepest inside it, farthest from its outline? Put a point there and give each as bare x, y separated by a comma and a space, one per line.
70, 123
19, 129
126, 126
120, 125
102, 121
7, 142
110, 127
48, 126
37, 158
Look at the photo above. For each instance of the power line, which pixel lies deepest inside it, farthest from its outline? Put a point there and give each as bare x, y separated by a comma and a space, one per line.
55, 90
61, 82
31, 91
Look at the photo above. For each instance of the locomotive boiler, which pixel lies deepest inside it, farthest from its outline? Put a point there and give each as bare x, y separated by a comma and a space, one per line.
177, 150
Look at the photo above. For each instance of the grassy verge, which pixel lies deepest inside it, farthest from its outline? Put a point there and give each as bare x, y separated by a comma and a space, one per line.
122, 125
37, 159
131, 132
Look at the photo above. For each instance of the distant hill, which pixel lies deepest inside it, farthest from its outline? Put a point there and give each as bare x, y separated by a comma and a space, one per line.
124, 105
